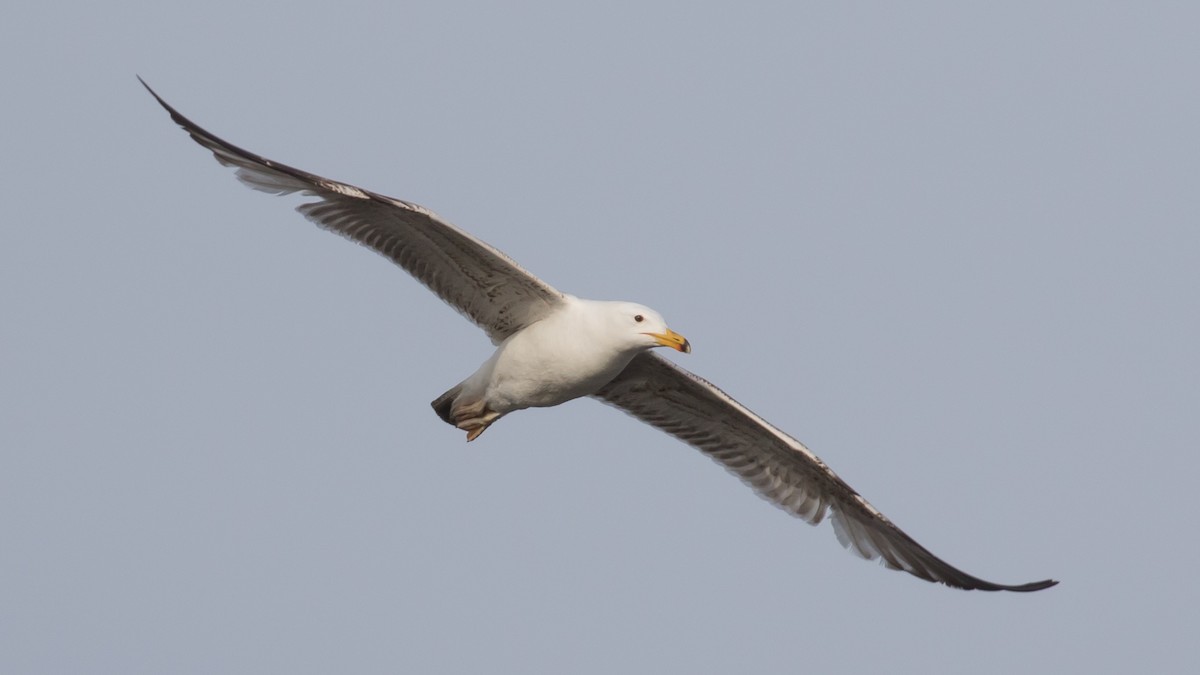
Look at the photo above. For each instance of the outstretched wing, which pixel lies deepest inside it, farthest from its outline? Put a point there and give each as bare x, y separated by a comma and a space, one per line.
482, 283
776, 466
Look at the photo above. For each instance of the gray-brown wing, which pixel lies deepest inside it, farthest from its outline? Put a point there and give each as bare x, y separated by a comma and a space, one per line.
776, 466
479, 281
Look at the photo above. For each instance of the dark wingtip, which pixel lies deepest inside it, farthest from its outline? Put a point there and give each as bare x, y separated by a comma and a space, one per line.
1032, 586
981, 585
203, 137
152, 93
174, 115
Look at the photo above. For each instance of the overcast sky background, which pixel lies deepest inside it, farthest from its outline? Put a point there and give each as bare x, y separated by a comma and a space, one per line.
952, 249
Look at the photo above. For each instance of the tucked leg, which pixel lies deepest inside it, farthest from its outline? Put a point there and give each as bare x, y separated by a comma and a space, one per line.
473, 418
475, 426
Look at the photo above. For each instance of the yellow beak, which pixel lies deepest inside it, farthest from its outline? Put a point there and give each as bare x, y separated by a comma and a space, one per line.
673, 340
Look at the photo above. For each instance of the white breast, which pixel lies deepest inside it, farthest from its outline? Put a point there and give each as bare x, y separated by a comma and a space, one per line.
564, 356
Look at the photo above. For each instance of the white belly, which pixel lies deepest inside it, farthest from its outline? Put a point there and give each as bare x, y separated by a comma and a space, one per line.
544, 365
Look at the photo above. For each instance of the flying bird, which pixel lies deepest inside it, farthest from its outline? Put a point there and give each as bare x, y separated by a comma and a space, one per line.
552, 347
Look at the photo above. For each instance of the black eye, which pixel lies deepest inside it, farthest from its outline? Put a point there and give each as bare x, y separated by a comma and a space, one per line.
639, 318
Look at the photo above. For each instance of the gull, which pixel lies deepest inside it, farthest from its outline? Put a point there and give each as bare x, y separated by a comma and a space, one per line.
552, 347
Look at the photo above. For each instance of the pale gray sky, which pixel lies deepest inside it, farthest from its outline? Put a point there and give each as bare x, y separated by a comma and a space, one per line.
952, 249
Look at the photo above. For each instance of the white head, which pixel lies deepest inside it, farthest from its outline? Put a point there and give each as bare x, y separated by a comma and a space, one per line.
643, 327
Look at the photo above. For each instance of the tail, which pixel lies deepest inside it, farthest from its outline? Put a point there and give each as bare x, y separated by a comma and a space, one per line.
443, 404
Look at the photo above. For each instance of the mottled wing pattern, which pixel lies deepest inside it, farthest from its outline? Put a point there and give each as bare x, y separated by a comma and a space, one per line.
776, 466
479, 281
